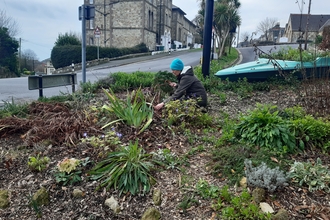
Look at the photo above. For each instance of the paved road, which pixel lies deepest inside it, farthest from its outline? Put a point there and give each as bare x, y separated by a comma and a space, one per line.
16, 89
249, 54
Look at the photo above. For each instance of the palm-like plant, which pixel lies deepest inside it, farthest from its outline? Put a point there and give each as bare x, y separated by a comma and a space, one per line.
135, 111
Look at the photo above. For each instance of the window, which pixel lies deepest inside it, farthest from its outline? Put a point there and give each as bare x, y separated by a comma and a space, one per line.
91, 2
91, 41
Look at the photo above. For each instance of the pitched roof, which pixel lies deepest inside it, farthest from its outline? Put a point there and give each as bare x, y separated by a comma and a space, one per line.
178, 9
299, 21
327, 23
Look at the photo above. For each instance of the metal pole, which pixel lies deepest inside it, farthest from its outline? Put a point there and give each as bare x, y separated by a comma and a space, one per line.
207, 37
83, 43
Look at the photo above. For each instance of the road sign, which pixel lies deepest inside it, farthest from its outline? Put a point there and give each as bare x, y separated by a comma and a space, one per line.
97, 32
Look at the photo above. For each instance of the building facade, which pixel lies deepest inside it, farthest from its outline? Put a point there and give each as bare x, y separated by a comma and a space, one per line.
127, 23
298, 23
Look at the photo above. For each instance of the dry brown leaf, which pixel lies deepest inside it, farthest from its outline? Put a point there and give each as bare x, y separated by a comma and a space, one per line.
274, 159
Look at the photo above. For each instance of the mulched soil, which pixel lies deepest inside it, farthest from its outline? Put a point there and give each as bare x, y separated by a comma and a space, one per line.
53, 130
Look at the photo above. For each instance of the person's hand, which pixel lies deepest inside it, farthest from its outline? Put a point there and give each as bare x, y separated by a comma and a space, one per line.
159, 106
172, 84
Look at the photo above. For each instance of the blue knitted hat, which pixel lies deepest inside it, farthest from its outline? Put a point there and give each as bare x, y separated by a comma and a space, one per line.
177, 64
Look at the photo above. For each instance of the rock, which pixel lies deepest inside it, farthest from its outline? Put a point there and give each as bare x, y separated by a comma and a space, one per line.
258, 195
157, 197
4, 202
266, 208
113, 204
77, 193
41, 197
282, 214
243, 182
151, 214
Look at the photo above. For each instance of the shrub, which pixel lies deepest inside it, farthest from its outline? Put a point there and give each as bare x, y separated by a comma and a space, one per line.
182, 112
264, 177
265, 128
127, 170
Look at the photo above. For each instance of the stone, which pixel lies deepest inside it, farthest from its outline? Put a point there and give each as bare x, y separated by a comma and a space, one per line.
113, 204
243, 182
266, 208
282, 214
77, 193
157, 197
41, 197
4, 202
258, 195
151, 214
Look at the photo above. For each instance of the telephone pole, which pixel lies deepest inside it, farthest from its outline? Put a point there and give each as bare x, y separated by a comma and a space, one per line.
306, 32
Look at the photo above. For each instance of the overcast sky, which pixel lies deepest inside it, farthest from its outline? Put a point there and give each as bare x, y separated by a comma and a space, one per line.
41, 21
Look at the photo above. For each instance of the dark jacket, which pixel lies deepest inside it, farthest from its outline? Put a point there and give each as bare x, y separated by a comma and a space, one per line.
189, 87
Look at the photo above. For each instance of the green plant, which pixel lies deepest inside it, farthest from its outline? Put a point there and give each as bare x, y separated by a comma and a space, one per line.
314, 175
13, 109
186, 112
35, 206
69, 170
38, 163
127, 170
161, 80
311, 131
108, 141
238, 207
206, 190
187, 201
265, 128
134, 112
166, 158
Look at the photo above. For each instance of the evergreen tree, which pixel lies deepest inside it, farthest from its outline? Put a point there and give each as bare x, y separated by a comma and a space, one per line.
8, 50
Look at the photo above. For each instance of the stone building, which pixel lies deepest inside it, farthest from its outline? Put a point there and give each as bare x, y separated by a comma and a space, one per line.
127, 23
298, 22
183, 30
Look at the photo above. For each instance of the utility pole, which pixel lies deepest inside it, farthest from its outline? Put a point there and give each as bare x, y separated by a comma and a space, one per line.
306, 32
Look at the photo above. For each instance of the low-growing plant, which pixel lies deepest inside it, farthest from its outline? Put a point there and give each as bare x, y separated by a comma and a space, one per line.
13, 109
166, 158
182, 112
109, 141
239, 207
68, 171
312, 132
264, 177
38, 163
127, 170
122, 81
187, 201
135, 112
313, 175
207, 190
265, 128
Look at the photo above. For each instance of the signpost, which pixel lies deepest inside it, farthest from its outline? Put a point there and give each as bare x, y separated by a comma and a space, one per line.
97, 34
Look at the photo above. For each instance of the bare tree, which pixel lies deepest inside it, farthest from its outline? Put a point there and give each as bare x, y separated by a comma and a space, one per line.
244, 36
10, 23
265, 25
